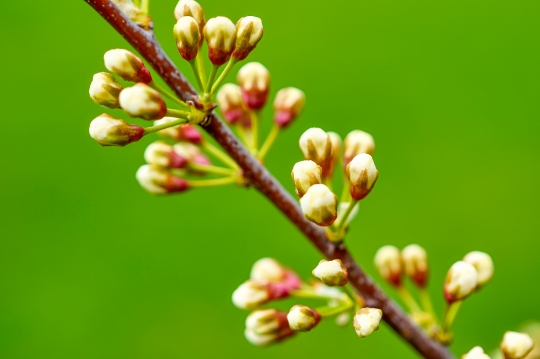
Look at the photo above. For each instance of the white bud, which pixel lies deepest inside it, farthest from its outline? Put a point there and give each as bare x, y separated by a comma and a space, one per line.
249, 31
105, 90
143, 101
416, 264
192, 9
266, 321
358, 142
483, 264
288, 104
191, 153
319, 205
302, 318
266, 339
229, 99
157, 180
187, 35
516, 345
362, 174
317, 147
305, 174
476, 353
366, 321
332, 273
251, 294
126, 65
110, 131
254, 80
388, 262
267, 269
161, 154
220, 34
186, 133
461, 281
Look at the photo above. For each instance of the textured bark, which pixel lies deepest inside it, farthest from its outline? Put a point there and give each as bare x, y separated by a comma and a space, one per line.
259, 177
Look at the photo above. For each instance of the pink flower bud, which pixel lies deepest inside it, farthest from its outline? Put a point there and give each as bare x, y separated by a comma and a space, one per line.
187, 133
110, 131
389, 263
288, 104
229, 99
143, 101
254, 79
161, 154
126, 65
191, 153
157, 180
220, 34
416, 264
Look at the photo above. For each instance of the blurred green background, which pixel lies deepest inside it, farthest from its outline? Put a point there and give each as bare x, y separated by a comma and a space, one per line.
91, 266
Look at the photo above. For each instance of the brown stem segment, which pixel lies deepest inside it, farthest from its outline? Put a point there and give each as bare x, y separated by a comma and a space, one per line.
260, 178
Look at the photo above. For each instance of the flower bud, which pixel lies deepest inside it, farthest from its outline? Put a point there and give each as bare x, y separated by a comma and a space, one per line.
161, 154
191, 153
192, 9
266, 321
305, 174
317, 147
516, 345
253, 293
337, 145
187, 133
366, 321
254, 79
358, 142
187, 35
332, 273
157, 180
461, 280
143, 101
483, 264
220, 34
249, 31
282, 278
476, 353
229, 99
416, 264
362, 174
388, 262
110, 131
319, 205
302, 318
104, 90
126, 65
288, 104
265, 339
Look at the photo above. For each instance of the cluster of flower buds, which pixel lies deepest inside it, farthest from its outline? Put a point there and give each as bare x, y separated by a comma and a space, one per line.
266, 326
468, 275
514, 345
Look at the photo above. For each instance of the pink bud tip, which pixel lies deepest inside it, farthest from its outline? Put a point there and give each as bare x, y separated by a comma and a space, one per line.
284, 118
201, 160
177, 161
190, 134
144, 75
255, 100
175, 184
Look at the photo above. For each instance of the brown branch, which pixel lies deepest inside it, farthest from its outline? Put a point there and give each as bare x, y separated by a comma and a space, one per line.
260, 178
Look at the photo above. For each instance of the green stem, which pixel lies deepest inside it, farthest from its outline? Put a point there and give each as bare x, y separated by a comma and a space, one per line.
328, 311
352, 294
200, 67
343, 221
254, 116
136, 3
243, 133
212, 169
221, 77
303, 293
274, 132
428, 304
346, 192
328, 183
450, 313
163, 126
167, 94
212, 182
178, 113
145, 6
197, 75
212, 77
219, 154
409, 299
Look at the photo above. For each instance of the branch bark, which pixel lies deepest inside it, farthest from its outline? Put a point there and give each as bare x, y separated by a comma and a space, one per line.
147, 45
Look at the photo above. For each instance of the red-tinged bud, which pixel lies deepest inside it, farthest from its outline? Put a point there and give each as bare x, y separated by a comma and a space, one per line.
187, 133
110, 131
105, 90
191, 153
220, 34
143, 101
254, 79
186, 33
157, 180
358, 142
288, 104
316, 145
416, 264
162, 154
389, 263
192, 9
362, 174
229, 99
249, 31
126, 65
254, 293
461, 281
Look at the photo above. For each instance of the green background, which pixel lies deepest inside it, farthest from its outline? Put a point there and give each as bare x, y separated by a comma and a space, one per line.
91, 266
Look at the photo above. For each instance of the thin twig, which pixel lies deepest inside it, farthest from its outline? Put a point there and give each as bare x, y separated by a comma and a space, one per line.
262, 180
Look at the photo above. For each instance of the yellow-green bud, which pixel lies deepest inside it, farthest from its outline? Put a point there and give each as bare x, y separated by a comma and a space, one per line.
249, 31
105, 90
220, 34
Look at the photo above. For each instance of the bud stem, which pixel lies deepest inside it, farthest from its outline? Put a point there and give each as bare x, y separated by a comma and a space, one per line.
201, 70
145, 6
211, 79
212, 182
328, 311
219, 154
212, 169
428, 304
178, 113
163, 126
346, 194
352, 294
197, 74
167, 94
274, 132
409, 299
221, 77
343, 220
450, 313
306, 292
254, 116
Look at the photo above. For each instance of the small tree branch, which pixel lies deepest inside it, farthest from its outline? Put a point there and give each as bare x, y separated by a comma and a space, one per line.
262, 180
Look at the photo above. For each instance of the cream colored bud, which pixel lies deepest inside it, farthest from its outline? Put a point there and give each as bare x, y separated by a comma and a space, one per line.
192, 9
389, 264
254, 80
288, 104
220, 34
483, 264
266, 321
126, 65
461, 281
476, 353
143, 101
516, 345
302, 318
358, 142
317, 147
187, 133
161, 154
229, 99
105, 90
362, 174
267, 269
187, 35
251, 294
366, 321
110, 131
157, 180
191, 153
332, 273
416, 264
266, 339
319, 205
304, 175
249, 31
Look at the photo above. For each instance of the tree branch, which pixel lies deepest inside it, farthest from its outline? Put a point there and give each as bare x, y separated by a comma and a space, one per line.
147, 45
